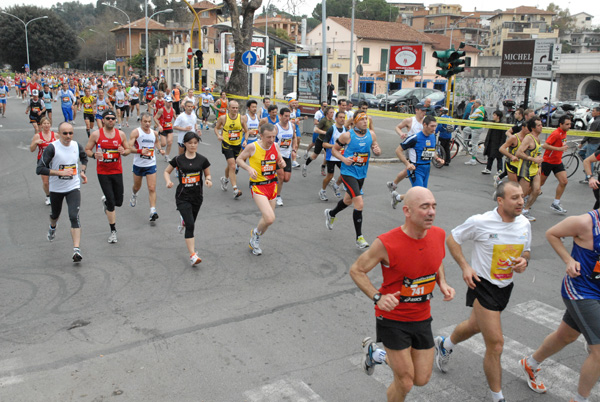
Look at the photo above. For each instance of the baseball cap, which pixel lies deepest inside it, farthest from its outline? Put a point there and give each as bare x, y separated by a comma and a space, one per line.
168, 99
35, 92
420, 106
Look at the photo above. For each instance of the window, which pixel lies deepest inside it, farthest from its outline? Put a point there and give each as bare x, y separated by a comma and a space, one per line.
204, 14
383, 60
366, 52
142, 41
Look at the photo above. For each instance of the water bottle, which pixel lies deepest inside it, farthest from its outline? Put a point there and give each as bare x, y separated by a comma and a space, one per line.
100, 150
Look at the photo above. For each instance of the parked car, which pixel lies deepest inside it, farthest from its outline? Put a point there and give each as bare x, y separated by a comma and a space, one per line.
438, 98
364, 96
411, 96
292, 95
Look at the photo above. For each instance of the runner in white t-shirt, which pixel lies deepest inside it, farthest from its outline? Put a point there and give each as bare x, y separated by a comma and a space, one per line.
184, 123
207, 100
501, 246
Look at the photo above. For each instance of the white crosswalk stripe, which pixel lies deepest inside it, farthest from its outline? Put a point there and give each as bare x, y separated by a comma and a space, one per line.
541, 313
560, 380
7, 365
283, 390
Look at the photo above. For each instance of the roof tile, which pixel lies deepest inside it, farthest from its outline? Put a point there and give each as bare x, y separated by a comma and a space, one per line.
382, 30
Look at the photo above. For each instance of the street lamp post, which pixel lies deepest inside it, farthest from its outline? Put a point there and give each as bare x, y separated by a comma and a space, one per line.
128, 24
26, 38
168, 10
85, 58
455, 25
105, 41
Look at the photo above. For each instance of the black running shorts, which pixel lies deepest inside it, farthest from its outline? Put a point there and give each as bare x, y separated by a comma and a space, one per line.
490, 296
399, 335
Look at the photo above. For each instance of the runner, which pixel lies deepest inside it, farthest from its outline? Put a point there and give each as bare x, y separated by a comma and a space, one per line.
421, 151
358, 144
144, 141
444, 133
402, 304
473, 133
413, 125
264, 111
529, 152
263, 160
4, 93
286, 135
89, 104
589, 144
157, 104
229, 129
252, 121
120, 103
221, 105
102, 105
272, 118
189, 196
35, 110
319, 115
149, 94
60, 162
40, 141
184, 123
581, 296
74, 88
207, 101
23, 88
164, 120
509, 150
593, 183
501, 243
48, 97
176, 96
191, 98
134, 96
67, 100
554, 147
296, 117
330, 139
107, 145
321, 129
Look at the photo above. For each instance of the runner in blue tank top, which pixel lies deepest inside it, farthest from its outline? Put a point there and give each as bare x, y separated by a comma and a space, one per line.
581, 295
357, 144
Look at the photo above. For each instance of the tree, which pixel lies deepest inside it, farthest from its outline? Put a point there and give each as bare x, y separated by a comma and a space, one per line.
376, 10
563, 21
242, 39
50, 40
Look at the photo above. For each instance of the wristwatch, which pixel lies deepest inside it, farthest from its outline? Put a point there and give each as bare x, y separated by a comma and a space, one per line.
376, 297
588, 176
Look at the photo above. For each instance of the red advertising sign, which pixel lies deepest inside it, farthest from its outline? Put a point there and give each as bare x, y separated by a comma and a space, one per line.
406, 59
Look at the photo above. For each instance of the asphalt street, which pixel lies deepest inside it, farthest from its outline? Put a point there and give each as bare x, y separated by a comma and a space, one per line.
134, 322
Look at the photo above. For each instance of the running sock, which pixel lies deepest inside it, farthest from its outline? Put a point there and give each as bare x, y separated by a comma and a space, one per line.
113, 227
339, 207
152, 210
579, 398
53, 227
308, 161
379, 355
87, 130
256, 232
556, 202
534, 364
497, 396
448, 345
75, 249
357, 217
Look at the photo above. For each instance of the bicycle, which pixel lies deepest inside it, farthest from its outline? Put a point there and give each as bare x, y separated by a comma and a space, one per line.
441, 152
574, 156
406, 108
459, 143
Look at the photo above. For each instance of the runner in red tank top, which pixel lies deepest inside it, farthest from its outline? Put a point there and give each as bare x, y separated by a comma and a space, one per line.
40, 141
164, 119
402, 303
107, 145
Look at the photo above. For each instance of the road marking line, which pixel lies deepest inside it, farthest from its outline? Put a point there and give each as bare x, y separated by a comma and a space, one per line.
7, 365
560, 380
541, 313
284, 390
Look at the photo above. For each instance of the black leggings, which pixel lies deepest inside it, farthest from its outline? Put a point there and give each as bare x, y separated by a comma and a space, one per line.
597, 195
73, 202
189, 213
498, 160
445, 143
112, 188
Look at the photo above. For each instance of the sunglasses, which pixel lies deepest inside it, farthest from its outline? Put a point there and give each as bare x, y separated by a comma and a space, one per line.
67, 132
109, 118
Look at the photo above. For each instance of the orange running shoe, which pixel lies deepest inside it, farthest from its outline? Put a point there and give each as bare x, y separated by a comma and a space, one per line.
532, 380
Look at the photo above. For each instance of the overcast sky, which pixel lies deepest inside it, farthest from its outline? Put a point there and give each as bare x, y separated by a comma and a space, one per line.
574, 7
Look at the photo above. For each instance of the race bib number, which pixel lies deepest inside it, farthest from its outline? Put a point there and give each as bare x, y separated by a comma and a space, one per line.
64, 168
428, 154
190, 179
252, 133
417, 290
595, 276
504, 258
360, 158
149, 97
150, 155
168, 124
110, 155
101, 108
2, 96
234, 135
268, 168
66, 99
35, 109
285, 143
87, 105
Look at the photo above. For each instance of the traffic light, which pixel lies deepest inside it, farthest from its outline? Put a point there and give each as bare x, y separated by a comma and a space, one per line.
188, 63
280, 59
143, 62
270, 62
449, 62
199, 59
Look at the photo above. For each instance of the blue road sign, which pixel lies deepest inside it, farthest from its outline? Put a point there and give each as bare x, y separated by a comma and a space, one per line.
249, 58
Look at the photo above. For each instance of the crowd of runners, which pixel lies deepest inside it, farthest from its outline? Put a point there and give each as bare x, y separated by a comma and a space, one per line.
266, 141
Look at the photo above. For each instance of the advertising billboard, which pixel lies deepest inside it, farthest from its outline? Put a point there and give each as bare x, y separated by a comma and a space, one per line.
406, 59
309, 79
258, 46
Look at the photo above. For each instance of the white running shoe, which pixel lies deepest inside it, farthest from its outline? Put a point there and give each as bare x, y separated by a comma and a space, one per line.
367, 363
112, 238
254, 243
329, 219
442, 356
133, 200
47, 202
395, 199
323, 195
194, 259
304, 168
295, 165
486, 171
279, 201
391, 186
237, 193
224, 183
77, 255
527, 214
361, 242
103, 199
51, 233
181, 226
558, 208
471, 162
